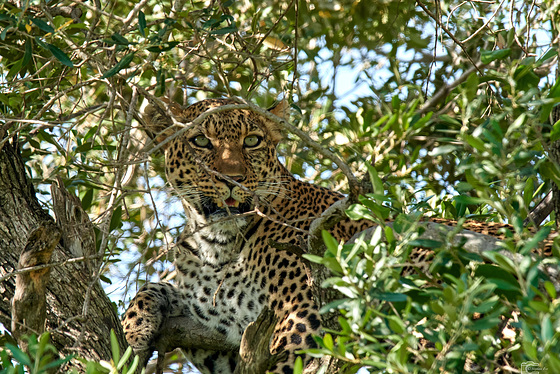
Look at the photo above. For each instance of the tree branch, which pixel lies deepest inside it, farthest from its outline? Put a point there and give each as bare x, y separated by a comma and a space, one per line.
541, 211
29, 308
254, 352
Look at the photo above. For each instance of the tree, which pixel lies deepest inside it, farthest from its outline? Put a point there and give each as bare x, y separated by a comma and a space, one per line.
450, 102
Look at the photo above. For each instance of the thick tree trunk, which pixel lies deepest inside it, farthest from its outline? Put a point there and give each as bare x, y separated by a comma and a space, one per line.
79, 315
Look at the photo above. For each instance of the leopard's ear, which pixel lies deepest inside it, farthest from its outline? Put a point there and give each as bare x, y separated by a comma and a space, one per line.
282, 110
157, 118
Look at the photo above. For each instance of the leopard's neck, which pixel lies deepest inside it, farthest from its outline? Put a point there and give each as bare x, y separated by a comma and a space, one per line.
298, 203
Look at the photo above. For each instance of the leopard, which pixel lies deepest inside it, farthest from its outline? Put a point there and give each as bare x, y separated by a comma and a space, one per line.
240, 203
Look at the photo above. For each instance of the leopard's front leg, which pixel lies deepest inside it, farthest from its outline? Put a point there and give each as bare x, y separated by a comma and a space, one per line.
143, 319
146, 315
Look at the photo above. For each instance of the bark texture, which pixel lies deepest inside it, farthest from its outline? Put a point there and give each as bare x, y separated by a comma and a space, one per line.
77, 311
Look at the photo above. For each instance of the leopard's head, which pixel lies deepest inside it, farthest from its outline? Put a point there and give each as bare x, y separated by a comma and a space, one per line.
222, 164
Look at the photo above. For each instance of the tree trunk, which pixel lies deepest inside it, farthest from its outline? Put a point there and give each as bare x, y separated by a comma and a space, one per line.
77, 312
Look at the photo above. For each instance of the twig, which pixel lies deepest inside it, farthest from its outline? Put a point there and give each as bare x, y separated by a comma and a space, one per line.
443, 91
49, 265
485, 23
457, 41
296, 51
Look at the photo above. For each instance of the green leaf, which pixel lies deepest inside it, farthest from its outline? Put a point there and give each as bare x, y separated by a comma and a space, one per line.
124, 358
539, 306
4, 32
550, 171
488, 56
468, 200
333, 305
448, 119
225, 30
19, 355
60, 56
330, 242
392, 297
103, 278
313, 258
119, 39
376, 182
485, 306
486, 323
549, 286
552, 52
536, 239
505, 264
57, 363
87, 199
298, 366
503, 285
122, 64
115, 348
42, 25
142, 23
555, 133
471, 86
163, 47
437, 308
134, 365
27, 55
528, 191
396, 324
443, 150
547, 330
328, 342
554, 93
116, 219
425, 243
358, 212
475, 142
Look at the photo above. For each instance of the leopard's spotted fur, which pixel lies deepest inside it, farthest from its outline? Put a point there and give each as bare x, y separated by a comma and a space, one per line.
227, 270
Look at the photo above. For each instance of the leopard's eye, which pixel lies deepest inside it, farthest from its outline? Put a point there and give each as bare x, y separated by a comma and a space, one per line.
252, 141
201, 141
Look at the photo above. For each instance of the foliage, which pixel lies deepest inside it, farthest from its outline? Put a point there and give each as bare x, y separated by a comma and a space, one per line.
450, 102
465, 311
41, 357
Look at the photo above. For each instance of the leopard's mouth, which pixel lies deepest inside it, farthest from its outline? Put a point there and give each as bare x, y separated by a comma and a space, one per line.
209, 208
230, 202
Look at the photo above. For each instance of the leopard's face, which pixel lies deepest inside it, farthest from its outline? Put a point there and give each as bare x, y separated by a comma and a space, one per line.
225, 165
